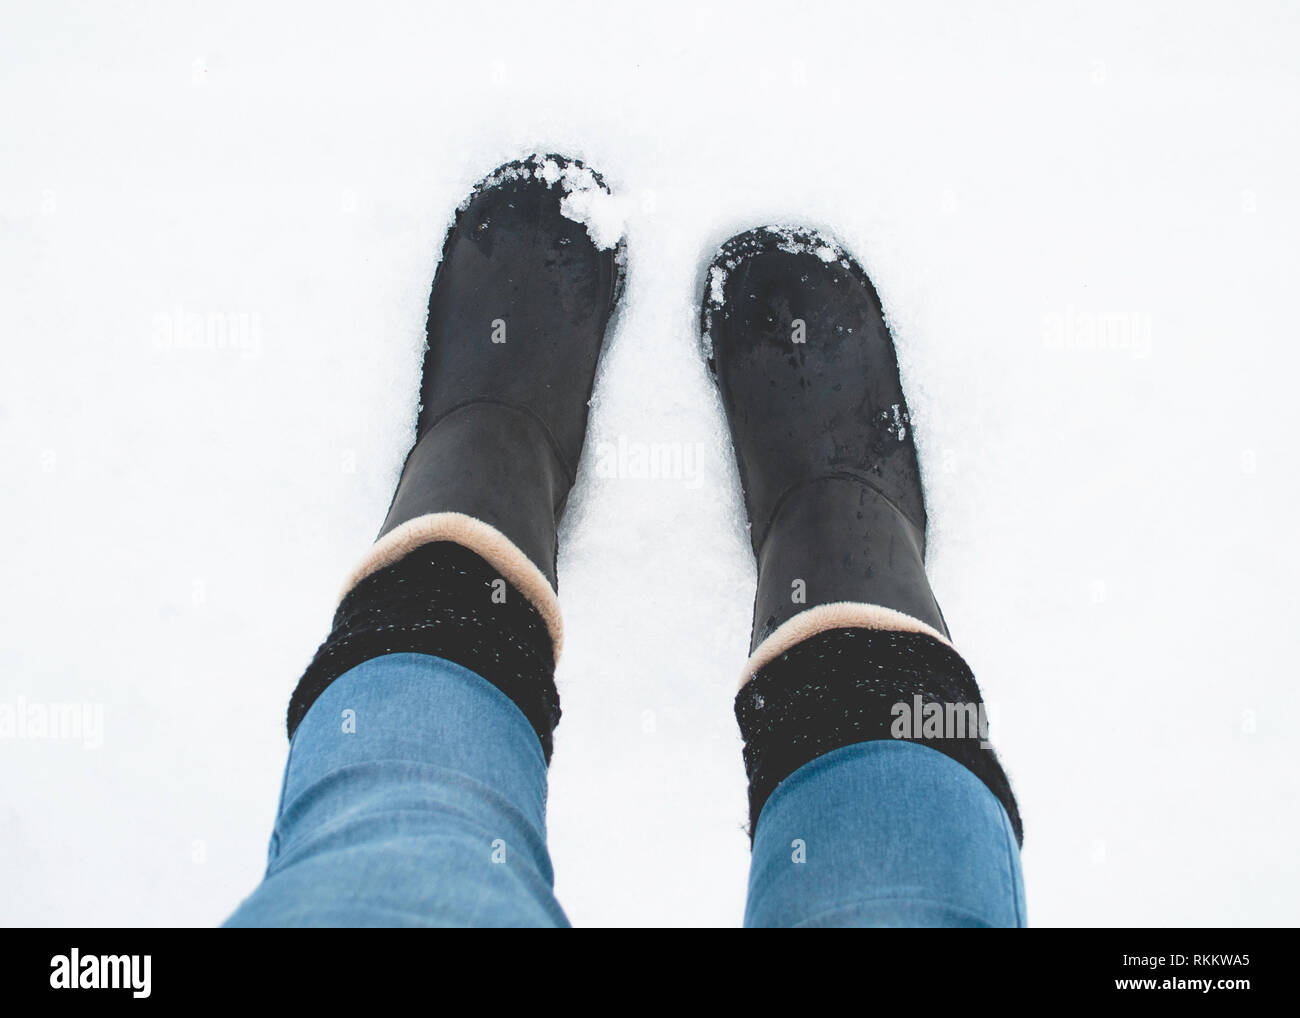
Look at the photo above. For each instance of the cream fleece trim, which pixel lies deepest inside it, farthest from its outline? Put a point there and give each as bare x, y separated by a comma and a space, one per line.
484, 540
824, 617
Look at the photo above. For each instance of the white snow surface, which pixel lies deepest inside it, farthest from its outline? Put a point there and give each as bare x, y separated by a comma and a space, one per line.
218, 225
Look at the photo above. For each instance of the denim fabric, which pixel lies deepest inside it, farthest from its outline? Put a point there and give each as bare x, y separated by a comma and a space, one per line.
415, 795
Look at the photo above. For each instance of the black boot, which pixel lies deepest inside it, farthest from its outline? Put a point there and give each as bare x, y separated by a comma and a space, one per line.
464, 566
845, 624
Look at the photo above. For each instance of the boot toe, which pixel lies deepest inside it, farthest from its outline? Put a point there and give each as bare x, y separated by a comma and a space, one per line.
796, 339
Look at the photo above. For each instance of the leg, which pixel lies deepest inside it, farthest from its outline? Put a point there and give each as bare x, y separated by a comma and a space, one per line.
884, 834
414, 795
875, 796
421, 731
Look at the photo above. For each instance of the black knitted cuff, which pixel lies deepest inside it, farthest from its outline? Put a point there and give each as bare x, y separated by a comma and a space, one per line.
847, 686
444, 600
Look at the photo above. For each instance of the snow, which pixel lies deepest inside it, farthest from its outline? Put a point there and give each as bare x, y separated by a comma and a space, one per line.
597, 210
219, 224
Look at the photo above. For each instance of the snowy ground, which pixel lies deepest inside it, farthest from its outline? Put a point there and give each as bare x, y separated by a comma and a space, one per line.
1082, 221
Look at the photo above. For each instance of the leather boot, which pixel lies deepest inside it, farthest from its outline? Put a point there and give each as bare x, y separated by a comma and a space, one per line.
809, 382
845, 626
518, 312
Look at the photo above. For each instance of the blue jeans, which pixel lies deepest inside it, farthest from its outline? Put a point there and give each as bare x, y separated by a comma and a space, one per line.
415, 795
